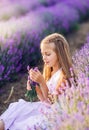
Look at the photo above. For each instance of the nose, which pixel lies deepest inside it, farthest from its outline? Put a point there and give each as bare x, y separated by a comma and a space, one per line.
44, 58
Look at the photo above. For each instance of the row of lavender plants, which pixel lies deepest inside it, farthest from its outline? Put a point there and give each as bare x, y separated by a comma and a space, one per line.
71, 112
20, 38
17, 8
9, 9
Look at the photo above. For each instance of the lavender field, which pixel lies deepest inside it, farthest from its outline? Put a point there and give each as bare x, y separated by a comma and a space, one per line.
23, 24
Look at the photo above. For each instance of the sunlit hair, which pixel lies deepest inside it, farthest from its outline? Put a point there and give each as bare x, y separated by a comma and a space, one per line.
63, 53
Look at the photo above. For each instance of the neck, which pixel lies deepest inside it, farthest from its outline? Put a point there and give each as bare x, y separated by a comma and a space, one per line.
55, 70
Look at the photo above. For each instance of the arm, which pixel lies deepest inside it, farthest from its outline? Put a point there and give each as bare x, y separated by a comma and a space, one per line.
44, 89
39, 93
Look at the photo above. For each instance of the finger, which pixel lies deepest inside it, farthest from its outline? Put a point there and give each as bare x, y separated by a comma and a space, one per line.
33, 77
28, 85
34, 73
30, 71
28, 81
38, 71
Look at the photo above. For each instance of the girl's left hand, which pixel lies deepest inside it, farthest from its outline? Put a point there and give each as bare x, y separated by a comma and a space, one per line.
28, 85
36, 76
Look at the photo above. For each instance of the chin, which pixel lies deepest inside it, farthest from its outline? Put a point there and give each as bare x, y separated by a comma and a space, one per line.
49, 65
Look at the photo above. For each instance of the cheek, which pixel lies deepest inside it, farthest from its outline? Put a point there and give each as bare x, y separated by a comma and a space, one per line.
51, 58
54, 59
54, 56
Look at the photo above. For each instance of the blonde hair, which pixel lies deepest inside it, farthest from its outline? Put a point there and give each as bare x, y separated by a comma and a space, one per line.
63, 53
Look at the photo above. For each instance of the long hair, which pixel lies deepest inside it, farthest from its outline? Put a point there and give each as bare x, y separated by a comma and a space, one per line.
63, 54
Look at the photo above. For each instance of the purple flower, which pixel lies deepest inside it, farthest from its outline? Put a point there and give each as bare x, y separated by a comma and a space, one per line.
1, 69
33, 84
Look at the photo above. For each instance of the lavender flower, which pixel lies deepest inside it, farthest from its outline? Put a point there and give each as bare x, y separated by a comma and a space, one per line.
32, 83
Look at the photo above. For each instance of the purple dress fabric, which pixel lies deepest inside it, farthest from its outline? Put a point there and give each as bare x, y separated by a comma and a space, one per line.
23, 115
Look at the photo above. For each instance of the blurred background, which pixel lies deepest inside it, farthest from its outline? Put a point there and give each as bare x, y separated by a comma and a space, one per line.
23, 24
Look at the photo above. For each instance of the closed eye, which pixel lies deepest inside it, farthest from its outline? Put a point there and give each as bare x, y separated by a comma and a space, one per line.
46, 54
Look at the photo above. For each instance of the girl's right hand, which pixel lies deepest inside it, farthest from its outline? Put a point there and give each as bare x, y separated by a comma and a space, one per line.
36, 76
28, 85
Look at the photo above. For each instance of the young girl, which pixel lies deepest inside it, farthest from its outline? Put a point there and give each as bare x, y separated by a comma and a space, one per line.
22, 115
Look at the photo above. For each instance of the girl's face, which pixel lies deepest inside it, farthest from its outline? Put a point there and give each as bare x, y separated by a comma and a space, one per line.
49, 55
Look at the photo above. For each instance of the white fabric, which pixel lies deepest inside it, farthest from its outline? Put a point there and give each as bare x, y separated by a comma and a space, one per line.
23, 115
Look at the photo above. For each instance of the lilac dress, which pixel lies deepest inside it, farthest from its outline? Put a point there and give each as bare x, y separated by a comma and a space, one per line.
23, 115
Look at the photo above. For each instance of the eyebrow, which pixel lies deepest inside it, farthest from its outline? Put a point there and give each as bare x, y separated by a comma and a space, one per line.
45, 52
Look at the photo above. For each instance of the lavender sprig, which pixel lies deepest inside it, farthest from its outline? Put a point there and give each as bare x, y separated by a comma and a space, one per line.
32, 83
31, 94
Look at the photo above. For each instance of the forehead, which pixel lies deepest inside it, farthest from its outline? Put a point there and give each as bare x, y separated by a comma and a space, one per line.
47, 47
